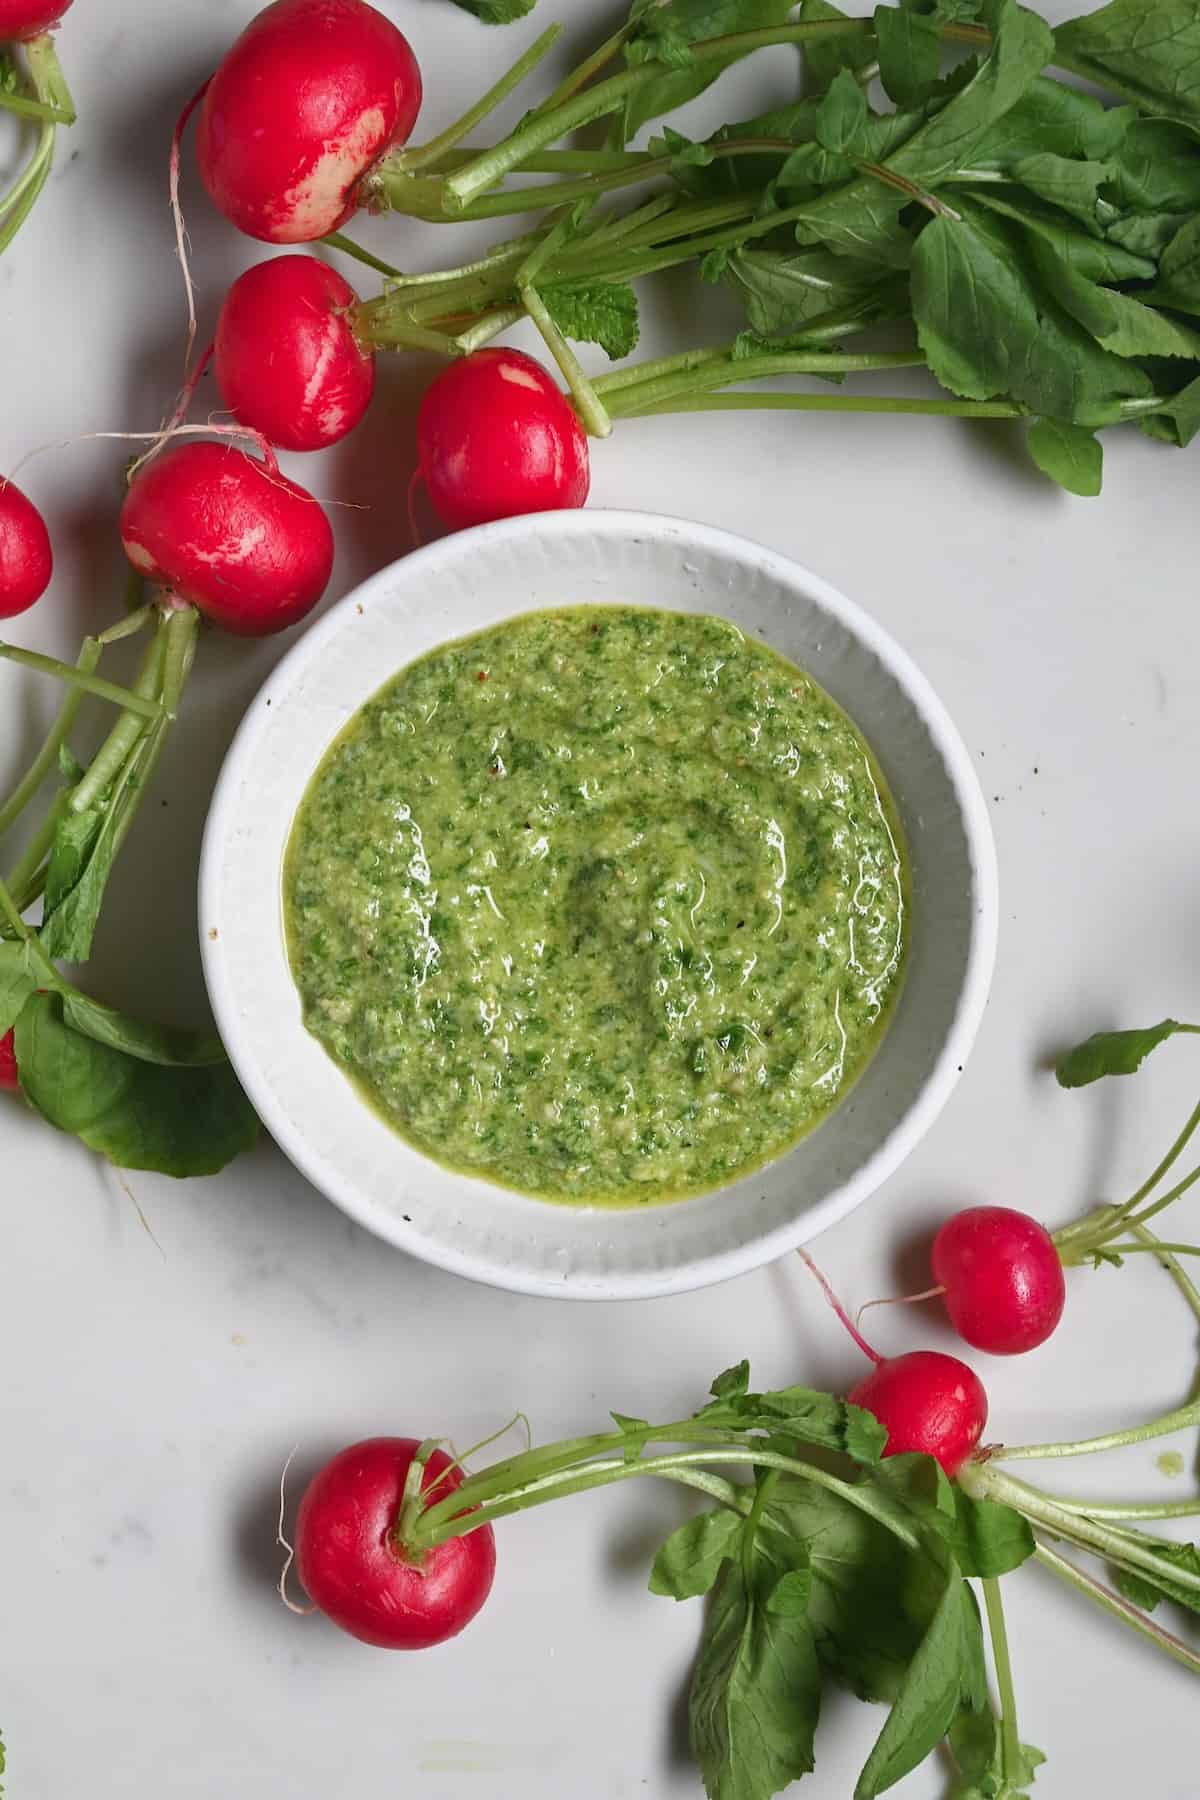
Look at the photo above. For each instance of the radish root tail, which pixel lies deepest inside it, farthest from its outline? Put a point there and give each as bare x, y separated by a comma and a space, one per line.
187, 394
156, 439
839, 1309
932, 1293
181, 241
142, 1219
292, 1605
175, 424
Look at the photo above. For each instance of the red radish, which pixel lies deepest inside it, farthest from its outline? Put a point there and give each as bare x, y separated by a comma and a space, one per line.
26, 560
926, 1401
251, 549
353, 1570
308, 99
22, 19
287, 361
497, 436
1002, 1278
10, 1081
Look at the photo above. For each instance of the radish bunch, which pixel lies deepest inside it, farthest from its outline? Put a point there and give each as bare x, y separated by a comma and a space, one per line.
219, 533
292, 126
496, 435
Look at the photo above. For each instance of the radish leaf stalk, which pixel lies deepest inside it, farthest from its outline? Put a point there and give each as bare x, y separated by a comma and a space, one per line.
46, 98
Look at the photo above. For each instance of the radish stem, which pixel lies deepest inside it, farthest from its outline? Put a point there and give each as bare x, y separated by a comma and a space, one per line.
17, 204
24, 108
47, 757
1090, 1233
1178, 1420
10, 911
579, 77
120, 741
493, 1482
591, 409
626, 170
634, 373
50, 84
1176, 1150
641, 398
21, 876
82, 679
679, 1465
1182, 1280
425, 154
546, 127
1115, 1510
132, 624
1087, 1533
553, 241
1010, 1737
1149, 1212
336, 240
848, 403
1119, 1607
488, 327
1157, 1248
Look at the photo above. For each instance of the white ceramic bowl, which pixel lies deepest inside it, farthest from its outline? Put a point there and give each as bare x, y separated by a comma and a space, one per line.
462, 584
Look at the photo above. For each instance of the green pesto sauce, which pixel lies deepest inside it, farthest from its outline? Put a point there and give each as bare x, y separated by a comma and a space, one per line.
604, 904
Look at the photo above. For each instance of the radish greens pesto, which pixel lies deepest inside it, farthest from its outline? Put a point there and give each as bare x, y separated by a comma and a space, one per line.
606, 904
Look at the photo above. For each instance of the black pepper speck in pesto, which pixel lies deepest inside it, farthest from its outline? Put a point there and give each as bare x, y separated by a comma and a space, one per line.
605, 904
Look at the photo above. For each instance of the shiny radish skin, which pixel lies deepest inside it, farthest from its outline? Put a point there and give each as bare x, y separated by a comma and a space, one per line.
26, 559
351, 1569
248, 548
496, 436
306, 101
926, 1401
10, 1080
21, 20
1003, 1279
286, 359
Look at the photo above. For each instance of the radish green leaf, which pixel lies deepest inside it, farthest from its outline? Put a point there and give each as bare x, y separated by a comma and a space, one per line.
17, 983
140, 1115
1148, 51
497, 12
604, 313
1068, 454
1114, 1053
690, 1560
1147, 1591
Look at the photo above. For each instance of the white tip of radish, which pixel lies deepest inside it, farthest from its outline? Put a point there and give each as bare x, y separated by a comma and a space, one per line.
242, 549
331, 344
316, 204
283, 1543
141, 559
518, 376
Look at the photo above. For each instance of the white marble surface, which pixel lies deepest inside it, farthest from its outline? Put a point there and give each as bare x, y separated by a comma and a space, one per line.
154, 1384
